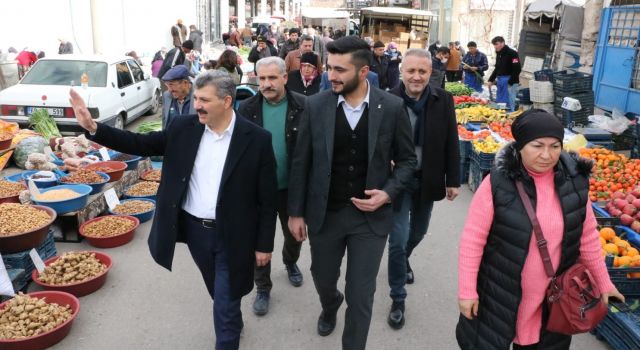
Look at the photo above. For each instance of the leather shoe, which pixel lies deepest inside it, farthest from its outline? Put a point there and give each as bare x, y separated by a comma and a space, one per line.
410, 277
327, 319
261, 303
295, 276
396, 315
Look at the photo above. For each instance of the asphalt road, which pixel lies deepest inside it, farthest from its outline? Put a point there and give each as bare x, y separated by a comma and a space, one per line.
143, 306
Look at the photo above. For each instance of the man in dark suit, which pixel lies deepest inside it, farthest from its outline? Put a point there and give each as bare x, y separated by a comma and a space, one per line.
217, 194
278, 110
433, 119
342, 182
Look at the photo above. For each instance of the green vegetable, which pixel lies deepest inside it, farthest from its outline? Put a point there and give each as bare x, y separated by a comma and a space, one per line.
33, 144
458, 89
43, 124
151, 126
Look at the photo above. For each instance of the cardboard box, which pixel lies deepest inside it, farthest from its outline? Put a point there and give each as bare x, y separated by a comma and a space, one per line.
405, 36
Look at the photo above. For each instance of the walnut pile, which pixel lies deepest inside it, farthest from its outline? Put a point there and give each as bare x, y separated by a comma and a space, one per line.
25, 316
72, 267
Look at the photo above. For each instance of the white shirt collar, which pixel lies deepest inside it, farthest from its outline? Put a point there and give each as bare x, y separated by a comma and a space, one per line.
366, 99
228, 131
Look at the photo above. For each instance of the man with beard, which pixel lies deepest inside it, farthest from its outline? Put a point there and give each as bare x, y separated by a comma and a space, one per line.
290, 44
432, 115
342, 182
278, 110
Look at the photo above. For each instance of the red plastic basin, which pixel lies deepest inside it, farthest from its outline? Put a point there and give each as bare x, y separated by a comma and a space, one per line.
47, 339
113, 241
27, 240
118, 168
78, 289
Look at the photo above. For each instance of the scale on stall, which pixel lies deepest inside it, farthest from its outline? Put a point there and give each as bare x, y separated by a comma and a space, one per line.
595, 136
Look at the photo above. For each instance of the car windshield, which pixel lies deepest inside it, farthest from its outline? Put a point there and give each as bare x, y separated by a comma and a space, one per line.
66, 72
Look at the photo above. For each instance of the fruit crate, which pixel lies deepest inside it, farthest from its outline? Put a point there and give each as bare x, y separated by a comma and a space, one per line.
610, 145
621, 327
543, 75
476, 175
465, 153
625, 140
571, 81
22, 260
484, 160
603, 217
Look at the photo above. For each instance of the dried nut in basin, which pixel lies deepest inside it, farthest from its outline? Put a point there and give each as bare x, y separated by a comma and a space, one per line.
108, 227
143, 188
72, 267
83, 176
57, 195
10, 189
25, 317
17, 218
152, 175
133, 207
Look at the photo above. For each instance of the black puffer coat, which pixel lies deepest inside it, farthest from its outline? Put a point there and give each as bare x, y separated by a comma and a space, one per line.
499, 277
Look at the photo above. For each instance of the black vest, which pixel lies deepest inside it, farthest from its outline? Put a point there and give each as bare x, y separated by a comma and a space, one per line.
350, 160
499, 277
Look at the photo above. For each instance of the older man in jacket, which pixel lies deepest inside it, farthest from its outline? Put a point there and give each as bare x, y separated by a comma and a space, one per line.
435, 138
178, 99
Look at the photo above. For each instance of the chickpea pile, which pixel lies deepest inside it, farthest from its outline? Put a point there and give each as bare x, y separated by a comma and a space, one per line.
108, 227
10, 189
25, 316
143, 188
153, 175
17, 218
83, 176
72, 267
133, 207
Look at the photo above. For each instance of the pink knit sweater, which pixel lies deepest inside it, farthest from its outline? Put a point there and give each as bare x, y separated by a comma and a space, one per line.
534, 279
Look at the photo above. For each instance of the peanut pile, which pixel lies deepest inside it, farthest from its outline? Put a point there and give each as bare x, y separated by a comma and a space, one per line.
17, 218
25, 316
83, 176
10, 189
72, 267
133, 207
143, 188
104, 169
108, 227
152, 175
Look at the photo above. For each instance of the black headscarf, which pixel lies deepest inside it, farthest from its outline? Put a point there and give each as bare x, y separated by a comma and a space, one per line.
534, 124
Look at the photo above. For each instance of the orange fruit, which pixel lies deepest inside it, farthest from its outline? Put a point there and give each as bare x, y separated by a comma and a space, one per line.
607, 233
624, 261
634, 275
602, 241
611, 249
632, 252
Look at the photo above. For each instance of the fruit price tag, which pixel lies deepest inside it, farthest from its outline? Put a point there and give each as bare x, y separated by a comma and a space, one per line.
104, 153
49, 153
37, 261
6, 287
112, 198
33, 189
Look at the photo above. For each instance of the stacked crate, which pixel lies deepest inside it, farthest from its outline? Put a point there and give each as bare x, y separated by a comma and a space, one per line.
576, 85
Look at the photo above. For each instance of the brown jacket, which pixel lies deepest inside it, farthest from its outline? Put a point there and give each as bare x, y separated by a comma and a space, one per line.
454, 60
292, 61
235, 39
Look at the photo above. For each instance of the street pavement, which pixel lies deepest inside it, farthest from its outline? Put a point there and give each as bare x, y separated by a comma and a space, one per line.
143, 306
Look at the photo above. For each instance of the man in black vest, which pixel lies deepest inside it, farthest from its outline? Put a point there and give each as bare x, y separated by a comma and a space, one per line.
432, 115
342, 182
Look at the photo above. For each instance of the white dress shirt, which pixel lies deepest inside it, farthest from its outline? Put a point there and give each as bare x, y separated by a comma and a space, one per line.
353, 114
204, 184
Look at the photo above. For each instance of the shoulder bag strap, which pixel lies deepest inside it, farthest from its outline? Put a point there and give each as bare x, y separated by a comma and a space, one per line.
541, 242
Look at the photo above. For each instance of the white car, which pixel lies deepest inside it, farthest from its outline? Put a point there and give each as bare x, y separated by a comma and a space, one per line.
117, 91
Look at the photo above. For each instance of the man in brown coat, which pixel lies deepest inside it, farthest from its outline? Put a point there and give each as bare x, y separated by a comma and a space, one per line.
453, 66
179, 33
292, 61
235, 39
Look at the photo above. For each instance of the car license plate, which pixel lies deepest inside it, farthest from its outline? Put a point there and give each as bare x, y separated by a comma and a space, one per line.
54, 112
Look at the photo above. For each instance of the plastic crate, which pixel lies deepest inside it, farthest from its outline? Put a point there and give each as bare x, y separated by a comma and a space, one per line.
621, 327
22, 260
524, 96
603, 144
602, 216
612, 332
570, 119
541, 91
543, 75
465, 153
484, 160
571, 81
476, 175
625, 140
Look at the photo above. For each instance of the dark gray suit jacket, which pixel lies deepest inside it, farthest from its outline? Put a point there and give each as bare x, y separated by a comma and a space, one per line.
390, 138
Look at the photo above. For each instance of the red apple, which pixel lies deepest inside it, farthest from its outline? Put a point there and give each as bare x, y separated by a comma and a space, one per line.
618, 194
636, 203
616, 212
620, 203
630, 198
635, 226
629, 209
636, 192
626, 219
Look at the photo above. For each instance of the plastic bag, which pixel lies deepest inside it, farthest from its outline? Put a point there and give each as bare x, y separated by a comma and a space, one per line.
485, 94
617, 124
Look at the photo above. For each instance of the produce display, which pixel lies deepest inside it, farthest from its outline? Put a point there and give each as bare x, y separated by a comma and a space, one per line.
480, 114
72, 267
151, 126
17, 138
143, 188
133, 207
27, 146
44, 124
18, 218
8, 130
25, 317
108, 227
611, 172
624, 254
58, 195
465, 134
10, 189
626, 207
503, 129
83, 176
488, 145
467, 101
458, 89
152, 175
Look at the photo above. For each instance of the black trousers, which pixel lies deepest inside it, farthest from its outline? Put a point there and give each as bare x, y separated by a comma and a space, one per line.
453, 75
347, 230
290, 249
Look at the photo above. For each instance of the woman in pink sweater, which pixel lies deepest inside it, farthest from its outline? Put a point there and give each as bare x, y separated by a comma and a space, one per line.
501, 276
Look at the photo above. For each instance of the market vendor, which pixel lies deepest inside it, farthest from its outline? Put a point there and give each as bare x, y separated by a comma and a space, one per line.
217, 193
506, 75
474, 64
177, 100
